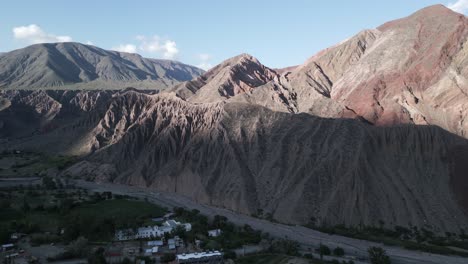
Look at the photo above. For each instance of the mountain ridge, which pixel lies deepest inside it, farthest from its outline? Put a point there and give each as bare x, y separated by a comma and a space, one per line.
71, 64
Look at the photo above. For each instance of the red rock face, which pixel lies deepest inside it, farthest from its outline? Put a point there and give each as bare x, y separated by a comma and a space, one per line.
408, 71
409, 56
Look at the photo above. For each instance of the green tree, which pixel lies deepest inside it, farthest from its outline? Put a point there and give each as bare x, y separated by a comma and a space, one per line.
284, 246
180, 231
378, 255
339, 252
4, 235
79, 247
97, 257
25, 206
49, 183
168, 257
323, 251
219, 221
230, 255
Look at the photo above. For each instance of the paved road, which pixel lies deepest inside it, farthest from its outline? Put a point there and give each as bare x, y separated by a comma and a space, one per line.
16, 181
306, 237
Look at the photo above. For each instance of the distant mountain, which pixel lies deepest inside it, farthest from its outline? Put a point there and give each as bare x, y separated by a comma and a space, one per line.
75, 65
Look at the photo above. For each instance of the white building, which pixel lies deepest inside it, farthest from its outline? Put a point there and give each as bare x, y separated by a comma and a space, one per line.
7, 247
151, 231
156, 243
151, 251
174, 224
214, 233
211, 257
155, 250
171, 243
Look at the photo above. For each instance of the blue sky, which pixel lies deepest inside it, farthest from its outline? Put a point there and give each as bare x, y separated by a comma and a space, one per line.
278, 33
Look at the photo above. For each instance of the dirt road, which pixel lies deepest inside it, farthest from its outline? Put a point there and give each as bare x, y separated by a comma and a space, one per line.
306, 237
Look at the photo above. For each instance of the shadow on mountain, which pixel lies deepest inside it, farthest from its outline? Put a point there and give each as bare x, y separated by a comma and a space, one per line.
294, 168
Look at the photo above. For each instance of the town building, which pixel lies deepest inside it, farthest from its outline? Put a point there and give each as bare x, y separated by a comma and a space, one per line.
157, 243
8, 247
211, 257
214, 233
151, 231
171, 243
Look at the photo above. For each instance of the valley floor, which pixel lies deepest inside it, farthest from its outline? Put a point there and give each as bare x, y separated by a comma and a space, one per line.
308, 238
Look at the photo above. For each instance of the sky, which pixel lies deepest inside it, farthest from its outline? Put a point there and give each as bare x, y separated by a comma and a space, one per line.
202, 32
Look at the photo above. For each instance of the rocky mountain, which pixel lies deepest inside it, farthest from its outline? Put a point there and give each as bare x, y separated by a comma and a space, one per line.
370, 129
409, 71
238, 75
296, 168
413, 72
79, 66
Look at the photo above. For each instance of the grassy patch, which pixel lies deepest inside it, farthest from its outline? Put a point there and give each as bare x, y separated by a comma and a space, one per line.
27, 164
120, 209
94, 216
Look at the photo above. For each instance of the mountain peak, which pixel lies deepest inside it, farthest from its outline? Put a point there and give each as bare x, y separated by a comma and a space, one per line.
245, 56
434, 10
239, 59
430, 16
236, 75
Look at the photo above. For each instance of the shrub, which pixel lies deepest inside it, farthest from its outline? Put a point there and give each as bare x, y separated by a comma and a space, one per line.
168, 257
339, 252
324, 250
230, 255
378, 255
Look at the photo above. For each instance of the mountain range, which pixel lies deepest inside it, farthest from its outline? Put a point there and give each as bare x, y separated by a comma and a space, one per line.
79, 66
372, 129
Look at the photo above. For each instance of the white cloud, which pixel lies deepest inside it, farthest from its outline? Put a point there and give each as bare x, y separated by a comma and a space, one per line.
129, 48
89, 43
34, 34
153, 46
156, 45
205, 63
461, 6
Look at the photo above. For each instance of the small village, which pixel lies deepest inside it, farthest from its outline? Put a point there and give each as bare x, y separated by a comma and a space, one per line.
159, 243
154, 243
55, 222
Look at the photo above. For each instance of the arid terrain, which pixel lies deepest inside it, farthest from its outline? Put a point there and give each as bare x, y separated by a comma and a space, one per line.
368, 132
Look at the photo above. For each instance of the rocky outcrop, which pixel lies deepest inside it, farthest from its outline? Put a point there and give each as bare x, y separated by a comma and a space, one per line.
79, 66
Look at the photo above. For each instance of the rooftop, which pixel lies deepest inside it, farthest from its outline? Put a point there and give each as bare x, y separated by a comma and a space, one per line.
198, 255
